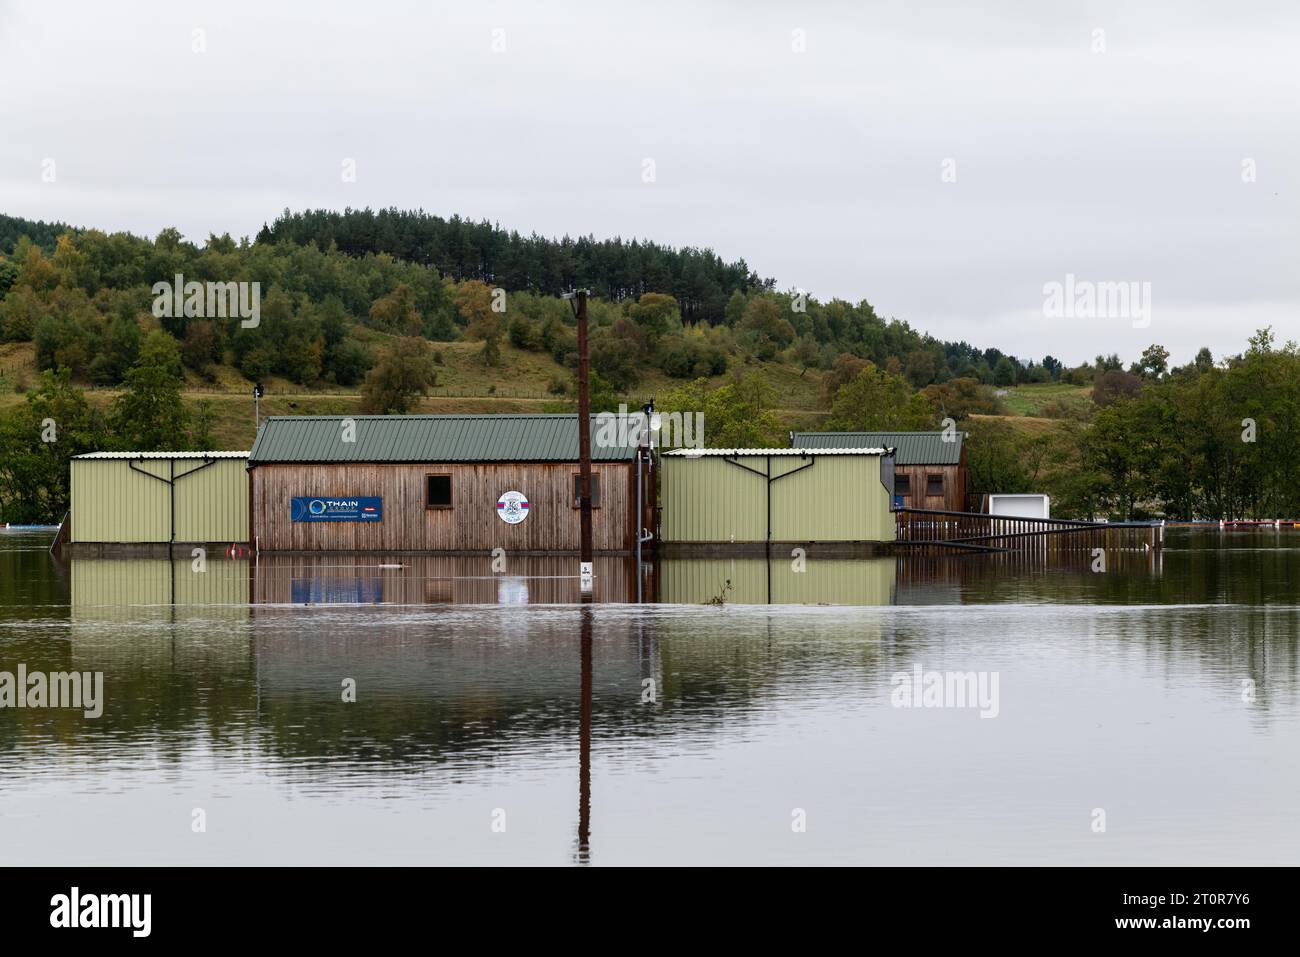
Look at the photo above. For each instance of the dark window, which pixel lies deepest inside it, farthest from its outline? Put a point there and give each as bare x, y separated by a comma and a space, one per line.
934, 484
902, 484
595, 490
438, 491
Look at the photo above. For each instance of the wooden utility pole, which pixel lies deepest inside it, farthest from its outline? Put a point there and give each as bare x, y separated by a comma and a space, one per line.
584, 447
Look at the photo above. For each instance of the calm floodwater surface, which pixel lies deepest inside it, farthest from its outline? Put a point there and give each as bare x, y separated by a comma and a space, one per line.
494, 725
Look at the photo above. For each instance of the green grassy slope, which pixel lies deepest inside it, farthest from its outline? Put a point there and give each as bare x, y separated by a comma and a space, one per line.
521, 383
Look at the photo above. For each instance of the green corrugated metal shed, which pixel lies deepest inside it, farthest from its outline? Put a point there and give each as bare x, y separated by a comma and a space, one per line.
434, 438
715, 496
159, 497
912, 448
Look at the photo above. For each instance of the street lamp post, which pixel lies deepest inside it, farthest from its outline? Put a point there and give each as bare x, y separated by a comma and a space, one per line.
644, 455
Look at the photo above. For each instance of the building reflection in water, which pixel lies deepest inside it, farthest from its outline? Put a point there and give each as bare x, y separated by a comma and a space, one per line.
550, 580
758, 581
436, 579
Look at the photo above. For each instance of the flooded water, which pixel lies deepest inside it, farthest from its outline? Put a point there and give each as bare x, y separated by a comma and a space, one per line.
1147, 713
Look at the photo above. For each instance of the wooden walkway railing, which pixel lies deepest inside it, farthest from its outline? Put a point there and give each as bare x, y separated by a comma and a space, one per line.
935, 530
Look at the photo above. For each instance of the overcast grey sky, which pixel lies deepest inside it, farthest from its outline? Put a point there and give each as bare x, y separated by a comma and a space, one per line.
809, 138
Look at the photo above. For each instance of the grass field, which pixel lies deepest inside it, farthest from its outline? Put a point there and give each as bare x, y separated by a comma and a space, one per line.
1030, 399
1027, 426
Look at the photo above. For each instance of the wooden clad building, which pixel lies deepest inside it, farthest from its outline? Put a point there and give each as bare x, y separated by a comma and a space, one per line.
929, 467
439, 483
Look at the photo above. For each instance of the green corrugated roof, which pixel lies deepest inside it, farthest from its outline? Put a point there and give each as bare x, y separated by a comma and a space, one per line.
431, 438
913, 448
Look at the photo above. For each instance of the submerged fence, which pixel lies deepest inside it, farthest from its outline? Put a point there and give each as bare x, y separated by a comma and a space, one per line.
929, 530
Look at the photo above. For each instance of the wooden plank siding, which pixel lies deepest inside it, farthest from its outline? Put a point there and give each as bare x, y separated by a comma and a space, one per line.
470, 524
953, 498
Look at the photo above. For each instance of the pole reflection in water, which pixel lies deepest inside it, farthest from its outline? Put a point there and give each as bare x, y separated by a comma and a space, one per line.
583, 854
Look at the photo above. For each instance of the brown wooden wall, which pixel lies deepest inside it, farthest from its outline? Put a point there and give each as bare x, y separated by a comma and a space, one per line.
471, 524
954, 485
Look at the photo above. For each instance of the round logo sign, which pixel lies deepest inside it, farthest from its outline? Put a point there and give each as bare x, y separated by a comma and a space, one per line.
317, 507
512, 508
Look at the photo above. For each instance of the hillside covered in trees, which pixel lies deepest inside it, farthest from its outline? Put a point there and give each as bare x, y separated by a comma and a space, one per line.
383, 306
322, 273
613, 269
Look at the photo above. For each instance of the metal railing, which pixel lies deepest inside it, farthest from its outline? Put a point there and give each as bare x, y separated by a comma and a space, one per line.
937, 530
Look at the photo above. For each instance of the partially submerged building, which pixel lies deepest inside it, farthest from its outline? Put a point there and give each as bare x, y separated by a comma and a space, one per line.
715, 499
444, 483
929, 467
150, 502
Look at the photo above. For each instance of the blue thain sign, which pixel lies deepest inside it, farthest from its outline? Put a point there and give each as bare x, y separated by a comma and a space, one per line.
323, 509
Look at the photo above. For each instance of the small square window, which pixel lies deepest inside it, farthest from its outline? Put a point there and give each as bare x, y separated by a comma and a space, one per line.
934, 484
437, 491
902, 484
577, 490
